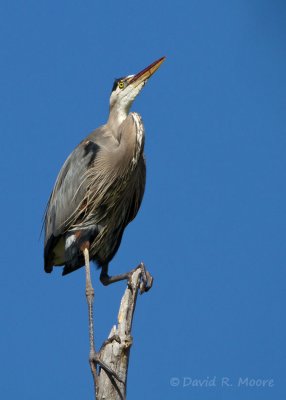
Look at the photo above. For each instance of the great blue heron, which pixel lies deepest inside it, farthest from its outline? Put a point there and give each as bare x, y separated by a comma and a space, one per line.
99, 191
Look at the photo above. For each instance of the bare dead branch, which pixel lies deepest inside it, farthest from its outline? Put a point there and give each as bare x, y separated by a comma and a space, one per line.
114, 353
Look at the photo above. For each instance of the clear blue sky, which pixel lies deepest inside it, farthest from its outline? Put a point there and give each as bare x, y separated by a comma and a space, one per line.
212, 225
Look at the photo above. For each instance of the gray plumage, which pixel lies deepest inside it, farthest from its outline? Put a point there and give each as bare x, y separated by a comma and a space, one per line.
100, 186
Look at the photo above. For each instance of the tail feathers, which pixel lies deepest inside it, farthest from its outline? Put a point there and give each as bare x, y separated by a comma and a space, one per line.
52, 253
48, 268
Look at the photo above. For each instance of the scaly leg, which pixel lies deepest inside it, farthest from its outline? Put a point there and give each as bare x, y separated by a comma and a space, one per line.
89, 292
94, 359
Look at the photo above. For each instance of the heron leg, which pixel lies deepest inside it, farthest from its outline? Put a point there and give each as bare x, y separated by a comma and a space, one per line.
89, 292
94, 358
146, 277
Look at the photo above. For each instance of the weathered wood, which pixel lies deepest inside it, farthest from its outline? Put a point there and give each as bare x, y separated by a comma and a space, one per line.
116, 349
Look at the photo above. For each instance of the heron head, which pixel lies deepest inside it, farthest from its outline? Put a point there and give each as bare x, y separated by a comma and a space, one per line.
125, 89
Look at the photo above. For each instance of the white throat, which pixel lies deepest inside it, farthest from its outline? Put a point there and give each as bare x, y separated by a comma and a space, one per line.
120, 112
120, 103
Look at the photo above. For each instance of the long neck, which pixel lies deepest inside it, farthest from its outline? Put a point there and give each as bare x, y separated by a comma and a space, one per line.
117, 114
130, 147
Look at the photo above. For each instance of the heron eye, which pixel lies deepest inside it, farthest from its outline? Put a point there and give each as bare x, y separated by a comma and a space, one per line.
121, 85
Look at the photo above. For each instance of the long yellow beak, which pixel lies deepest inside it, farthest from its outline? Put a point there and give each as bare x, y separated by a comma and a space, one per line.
146, 72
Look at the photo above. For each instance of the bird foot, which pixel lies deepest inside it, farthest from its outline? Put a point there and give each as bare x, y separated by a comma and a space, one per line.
94, 359
146, 279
